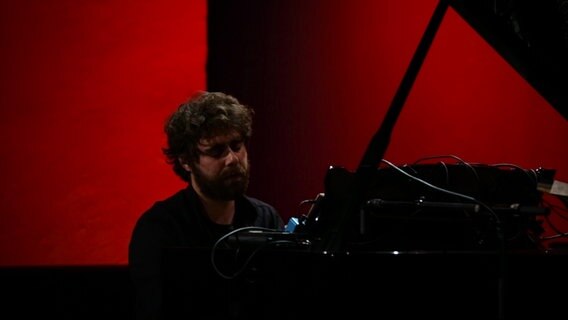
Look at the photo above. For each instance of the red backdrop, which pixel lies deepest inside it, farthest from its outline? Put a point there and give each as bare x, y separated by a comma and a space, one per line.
86, 86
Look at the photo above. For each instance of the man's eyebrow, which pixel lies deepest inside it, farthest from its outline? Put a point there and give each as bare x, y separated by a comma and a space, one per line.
235, 139
210, 146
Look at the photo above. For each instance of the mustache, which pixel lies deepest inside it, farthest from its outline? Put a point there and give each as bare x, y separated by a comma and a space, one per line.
237, 171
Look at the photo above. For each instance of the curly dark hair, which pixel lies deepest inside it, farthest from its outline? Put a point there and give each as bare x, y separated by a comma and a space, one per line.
203, 116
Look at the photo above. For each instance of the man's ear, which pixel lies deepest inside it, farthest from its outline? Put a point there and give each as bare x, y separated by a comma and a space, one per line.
184, 164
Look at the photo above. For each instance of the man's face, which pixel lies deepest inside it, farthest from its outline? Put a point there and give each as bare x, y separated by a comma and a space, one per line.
222, 169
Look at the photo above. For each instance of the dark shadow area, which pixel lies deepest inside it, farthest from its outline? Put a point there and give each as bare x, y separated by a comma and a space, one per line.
298, 284
66, 292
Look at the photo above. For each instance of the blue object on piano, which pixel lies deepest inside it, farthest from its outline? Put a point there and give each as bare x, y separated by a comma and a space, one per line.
291, 225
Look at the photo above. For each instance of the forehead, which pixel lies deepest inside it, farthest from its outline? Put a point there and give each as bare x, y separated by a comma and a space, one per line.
222, 138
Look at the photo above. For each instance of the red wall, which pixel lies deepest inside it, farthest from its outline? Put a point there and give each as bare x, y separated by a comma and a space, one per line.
85, 87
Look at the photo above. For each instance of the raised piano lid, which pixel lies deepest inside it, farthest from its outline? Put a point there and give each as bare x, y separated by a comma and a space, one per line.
531, 35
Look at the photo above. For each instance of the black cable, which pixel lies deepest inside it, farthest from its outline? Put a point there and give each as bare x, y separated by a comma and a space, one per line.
458, 159
459, 195
247, 261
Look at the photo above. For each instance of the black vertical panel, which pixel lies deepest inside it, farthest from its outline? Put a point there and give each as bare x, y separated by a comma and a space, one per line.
271, 55
234, 32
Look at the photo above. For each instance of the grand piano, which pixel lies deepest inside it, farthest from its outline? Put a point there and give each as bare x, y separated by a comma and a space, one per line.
423, 240
533, 37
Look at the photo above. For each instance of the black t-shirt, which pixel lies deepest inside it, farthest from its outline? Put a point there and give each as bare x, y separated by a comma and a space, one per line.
180, 221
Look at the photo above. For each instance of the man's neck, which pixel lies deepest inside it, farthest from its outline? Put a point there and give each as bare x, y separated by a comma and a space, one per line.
219, 211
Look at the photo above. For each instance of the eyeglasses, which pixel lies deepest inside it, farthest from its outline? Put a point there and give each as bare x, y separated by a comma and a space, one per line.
221, 150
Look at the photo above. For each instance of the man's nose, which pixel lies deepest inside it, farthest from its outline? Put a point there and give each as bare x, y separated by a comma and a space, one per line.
231, 157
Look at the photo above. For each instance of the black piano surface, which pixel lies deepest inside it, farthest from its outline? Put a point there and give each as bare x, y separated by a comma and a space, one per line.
295, 283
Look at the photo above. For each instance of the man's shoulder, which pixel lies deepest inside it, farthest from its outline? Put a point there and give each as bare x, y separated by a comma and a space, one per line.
259, 204
267, 215
166, 207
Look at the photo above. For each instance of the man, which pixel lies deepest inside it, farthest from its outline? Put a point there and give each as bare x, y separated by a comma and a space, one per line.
207, 146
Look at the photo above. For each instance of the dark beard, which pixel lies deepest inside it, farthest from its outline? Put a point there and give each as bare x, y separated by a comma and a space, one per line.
225, 187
